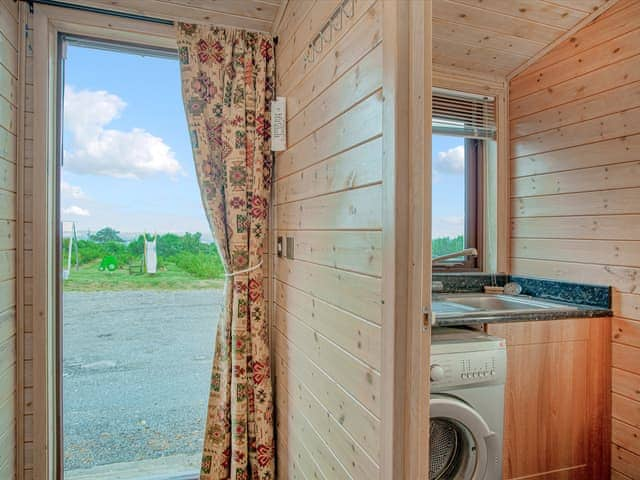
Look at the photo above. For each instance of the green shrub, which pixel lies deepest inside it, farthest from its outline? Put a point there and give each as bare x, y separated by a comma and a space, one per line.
200, 265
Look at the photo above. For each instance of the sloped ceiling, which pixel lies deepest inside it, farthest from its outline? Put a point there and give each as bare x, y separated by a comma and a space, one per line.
495, 37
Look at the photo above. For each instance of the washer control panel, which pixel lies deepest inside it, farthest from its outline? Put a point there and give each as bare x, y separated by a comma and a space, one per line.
468, 368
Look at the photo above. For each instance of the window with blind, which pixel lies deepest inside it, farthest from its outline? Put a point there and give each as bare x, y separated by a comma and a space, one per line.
461, 126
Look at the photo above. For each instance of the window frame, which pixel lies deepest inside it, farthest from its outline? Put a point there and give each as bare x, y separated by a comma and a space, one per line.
474, 155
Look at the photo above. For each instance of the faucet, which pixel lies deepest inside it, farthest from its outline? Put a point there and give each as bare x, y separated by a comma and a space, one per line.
467, 252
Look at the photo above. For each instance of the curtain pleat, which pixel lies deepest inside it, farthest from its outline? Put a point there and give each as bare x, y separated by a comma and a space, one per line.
227, 86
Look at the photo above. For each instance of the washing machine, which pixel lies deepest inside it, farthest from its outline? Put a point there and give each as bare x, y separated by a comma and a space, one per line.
468, 370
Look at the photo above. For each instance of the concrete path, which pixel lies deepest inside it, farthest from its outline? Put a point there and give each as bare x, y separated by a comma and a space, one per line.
136, 376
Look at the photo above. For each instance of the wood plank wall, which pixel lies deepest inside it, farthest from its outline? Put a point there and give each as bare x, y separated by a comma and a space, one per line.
575, 186
9, 38
327, 299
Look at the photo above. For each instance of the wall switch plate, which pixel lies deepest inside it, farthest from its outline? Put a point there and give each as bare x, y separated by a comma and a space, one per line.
290, 244
279, 247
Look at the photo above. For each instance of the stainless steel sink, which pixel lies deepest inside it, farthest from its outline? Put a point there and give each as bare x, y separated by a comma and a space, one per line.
473, 304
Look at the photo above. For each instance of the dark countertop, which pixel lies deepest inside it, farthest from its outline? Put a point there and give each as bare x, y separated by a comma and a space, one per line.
585, 301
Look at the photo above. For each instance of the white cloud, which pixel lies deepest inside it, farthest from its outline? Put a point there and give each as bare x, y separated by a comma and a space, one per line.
72, 191
76, 210
115, 153
450, 162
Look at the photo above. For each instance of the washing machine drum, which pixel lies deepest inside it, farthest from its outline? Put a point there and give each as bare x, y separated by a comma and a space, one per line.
462, 446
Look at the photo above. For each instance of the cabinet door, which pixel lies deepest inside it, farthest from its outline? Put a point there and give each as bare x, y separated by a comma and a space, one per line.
557, 380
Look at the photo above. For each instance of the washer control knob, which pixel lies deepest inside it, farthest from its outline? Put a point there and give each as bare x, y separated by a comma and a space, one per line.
437, 373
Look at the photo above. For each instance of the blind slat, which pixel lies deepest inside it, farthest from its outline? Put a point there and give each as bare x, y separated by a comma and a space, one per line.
457, 114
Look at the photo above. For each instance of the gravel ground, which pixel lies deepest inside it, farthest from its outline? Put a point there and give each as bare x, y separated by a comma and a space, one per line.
136, 373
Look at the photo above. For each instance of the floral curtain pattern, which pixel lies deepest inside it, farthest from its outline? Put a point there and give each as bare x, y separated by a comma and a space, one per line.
227, 86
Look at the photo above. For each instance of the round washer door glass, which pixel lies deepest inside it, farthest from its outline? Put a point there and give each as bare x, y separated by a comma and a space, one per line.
460, 442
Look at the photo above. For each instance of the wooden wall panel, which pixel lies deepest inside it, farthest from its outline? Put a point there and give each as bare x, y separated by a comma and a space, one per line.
8, 148
575, 187
327, 316
495, 37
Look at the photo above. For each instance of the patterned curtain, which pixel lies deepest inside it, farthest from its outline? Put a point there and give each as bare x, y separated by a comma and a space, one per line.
227, 85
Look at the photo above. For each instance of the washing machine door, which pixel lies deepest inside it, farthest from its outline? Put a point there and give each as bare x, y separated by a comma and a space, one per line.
462, 446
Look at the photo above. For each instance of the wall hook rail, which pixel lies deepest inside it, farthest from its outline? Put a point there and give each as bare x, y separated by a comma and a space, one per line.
324, 37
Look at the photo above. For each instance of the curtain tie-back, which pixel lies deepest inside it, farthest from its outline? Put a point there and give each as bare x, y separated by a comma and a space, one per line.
246, 270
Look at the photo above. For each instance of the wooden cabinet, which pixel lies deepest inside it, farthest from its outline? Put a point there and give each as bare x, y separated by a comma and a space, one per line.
557, 407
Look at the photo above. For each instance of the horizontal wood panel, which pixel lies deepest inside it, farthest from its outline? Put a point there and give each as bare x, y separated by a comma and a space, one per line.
7, 145
625, 410
587, 108
627, 332
625, 436
358, 294
623, 253
356, 336
354, 86
357, 125
8, 453
248, 15
296, 40
619, 124
589, 227
626, 150
474, 15
327, 196
354, 417
350, 454
595, 58
365, 36
7, 324
8, 86
359, 252
354, 376
362, 29
627, 305
582, 86
617, 20
627, 358
625, 461
626, 383
348, 210
328, 465
624, 279
609, 177
357, 167
8, 56
607, 202
478, 37
481, 58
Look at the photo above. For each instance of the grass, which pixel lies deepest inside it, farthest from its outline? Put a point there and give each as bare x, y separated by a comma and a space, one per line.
90, 279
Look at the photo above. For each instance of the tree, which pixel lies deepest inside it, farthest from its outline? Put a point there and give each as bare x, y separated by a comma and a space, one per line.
107, 234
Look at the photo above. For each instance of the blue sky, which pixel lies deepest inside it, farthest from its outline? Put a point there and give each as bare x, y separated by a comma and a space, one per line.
448, 186
127, 156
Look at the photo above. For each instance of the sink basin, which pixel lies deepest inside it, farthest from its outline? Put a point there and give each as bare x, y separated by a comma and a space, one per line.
472, 304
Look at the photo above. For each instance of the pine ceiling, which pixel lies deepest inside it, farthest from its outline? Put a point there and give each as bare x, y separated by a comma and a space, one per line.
250, 14
494, 37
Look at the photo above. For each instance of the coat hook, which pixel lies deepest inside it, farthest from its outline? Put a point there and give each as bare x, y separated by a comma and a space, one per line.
348, 8
327, 28
336, 20
317, 44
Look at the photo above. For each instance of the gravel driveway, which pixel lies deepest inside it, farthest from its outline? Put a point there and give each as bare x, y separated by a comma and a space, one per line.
136, 374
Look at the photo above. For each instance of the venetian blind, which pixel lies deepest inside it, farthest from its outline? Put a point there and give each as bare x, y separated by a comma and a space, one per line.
463, 115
